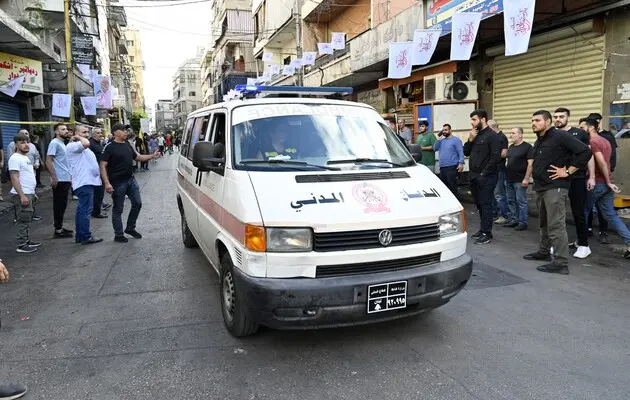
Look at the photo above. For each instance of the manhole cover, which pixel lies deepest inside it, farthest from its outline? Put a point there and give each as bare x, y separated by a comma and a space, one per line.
485, 276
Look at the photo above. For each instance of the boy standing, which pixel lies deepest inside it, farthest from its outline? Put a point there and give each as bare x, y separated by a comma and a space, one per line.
24, 182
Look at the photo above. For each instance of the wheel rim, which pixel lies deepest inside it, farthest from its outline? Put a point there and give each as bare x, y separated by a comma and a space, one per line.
229, 296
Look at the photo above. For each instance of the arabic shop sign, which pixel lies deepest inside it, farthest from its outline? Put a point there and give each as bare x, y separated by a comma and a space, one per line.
440, 12
82, 49
12, 67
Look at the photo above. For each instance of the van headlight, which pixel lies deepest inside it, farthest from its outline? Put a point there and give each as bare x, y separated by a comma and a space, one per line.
287, 240
452, 224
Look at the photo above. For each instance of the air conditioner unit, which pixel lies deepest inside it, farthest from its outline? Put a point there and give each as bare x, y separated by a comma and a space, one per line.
436, 87
37, 102
465, 90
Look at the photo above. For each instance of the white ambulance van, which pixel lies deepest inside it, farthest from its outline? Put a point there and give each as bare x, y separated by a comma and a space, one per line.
314, 214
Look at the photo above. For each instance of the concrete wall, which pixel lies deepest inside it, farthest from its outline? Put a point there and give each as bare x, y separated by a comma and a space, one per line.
385, 10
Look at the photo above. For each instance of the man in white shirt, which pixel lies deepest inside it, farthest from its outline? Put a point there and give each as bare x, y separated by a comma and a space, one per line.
160, 140
85, 175
33, 155
24, 182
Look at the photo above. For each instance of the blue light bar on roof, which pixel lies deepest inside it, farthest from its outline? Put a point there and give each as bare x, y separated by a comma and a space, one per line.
321, 91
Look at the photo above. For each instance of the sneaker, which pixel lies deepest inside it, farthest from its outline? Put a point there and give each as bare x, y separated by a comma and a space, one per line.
521, 227
573, 245
25, 248
62, 234
134, 233
12, 391
101, 216
33, 244
603, 238
626, 255
512, 224
120, 239
554, 269
582, 252
485, 238
37, 218
500, 221
551, 251
537, 256
92, 240
70, 231
106, 206
476, 235
75, 198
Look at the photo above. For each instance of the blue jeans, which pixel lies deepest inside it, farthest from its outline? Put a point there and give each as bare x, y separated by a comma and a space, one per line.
517, 201
500, 205
84, 212
604, 198
131, 189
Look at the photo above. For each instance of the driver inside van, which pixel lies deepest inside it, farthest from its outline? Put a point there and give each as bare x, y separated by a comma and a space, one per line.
277, 145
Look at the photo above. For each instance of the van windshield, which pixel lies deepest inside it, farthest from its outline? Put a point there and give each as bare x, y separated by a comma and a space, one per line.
311, 142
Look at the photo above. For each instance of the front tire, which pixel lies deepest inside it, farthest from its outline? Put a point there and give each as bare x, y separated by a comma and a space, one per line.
236, 316
187, 236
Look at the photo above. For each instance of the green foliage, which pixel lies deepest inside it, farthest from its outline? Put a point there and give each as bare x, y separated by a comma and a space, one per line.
134, 121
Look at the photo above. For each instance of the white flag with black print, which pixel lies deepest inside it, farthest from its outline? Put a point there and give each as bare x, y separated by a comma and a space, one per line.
518, 19
465, 27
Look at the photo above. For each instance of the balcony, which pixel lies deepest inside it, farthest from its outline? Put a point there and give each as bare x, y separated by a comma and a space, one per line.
322, 11
117, 14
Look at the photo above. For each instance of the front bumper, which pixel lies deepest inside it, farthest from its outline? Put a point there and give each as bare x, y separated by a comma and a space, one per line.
302, 303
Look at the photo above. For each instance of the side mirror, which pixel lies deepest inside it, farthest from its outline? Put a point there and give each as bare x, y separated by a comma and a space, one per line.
416, 151
205, 157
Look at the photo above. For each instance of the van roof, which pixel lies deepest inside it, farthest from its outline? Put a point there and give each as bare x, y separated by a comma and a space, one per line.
232, 104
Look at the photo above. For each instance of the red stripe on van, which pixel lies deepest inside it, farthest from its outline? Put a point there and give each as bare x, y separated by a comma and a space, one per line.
226, 220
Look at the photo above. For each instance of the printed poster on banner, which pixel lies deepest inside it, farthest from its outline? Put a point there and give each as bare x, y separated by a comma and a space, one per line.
89, 105
267, 56
424, 44
399, 60
518, 19
465, 27
266, 76
61, 104
103, 91
308, 57
440, 12
288, 70
296, 63
338, 40
274, 69
11, 88
325, 48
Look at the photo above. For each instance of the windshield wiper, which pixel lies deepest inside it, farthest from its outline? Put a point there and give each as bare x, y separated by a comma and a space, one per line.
289, 162
365, 160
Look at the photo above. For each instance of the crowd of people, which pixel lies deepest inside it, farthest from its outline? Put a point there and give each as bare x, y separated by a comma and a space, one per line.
564, 161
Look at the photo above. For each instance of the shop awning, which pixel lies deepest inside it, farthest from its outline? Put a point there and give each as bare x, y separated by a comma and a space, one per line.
418, 75
17, 40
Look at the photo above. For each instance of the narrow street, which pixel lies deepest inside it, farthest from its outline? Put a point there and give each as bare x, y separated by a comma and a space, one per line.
142, 320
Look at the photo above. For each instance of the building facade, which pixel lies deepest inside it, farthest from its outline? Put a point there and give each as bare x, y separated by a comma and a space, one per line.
187, 89
134, 59
164, 116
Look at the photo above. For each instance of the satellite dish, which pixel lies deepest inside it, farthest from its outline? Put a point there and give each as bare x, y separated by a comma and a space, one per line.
460, 91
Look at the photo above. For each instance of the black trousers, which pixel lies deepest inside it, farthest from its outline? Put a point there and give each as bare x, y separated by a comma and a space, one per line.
448, 175
60, 202
99, 193
602, 222
482, 190
577, 198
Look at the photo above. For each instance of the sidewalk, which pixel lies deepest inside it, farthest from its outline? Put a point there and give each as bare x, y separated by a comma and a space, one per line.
6, 205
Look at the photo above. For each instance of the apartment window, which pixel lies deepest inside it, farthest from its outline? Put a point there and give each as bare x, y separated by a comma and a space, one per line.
193, 94
56, 49
287, 61
131, 58
193, 108
130, 43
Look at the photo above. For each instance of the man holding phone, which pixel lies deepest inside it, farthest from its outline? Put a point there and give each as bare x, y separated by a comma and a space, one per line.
451, 157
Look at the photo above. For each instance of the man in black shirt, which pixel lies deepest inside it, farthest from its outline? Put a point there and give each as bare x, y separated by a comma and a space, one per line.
557, 156
484, 149
117, 174
99, 191
578, 190
518, 170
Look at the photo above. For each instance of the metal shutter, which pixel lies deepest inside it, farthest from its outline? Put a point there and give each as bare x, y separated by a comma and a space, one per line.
9, 112
564, 73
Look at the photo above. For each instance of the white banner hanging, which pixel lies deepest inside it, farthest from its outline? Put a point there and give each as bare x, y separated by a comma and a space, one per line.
424, 44
11, 88
266, 76
275, 69
267, 56
325, 48
61, 105
465, 27
338, 40
251, 81
296, 63
288, 70
89, 105
308, 57
399, 60
518, 19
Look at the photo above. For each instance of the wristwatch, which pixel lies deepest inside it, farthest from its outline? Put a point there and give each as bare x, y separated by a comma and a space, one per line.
568, 173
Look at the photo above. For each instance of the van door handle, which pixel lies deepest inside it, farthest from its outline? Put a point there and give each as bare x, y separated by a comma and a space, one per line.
198, 178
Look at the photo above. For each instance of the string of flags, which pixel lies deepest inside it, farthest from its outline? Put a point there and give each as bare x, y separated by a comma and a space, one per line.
518, 21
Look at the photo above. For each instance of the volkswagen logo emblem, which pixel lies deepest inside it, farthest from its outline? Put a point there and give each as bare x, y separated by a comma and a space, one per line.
385, 237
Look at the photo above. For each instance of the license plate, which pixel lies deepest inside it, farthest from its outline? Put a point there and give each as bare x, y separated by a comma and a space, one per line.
387, 296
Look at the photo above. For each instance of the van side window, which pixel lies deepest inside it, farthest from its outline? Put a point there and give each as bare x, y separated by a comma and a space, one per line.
219, 130
186, 138
198, 133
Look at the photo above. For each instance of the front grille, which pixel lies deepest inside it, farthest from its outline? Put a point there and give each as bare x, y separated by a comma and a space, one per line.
368, 239
327, 271
361, 176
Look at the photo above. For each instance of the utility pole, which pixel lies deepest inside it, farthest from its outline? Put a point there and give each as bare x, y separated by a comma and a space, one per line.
69, 68
297, 14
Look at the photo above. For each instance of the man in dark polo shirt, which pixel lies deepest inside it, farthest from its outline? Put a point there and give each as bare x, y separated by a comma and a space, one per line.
484, 149
557, 156
117, 174
96, 145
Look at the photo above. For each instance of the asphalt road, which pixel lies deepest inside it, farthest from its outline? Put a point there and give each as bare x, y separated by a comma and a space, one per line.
142, 321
